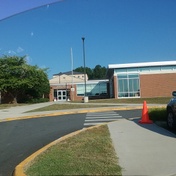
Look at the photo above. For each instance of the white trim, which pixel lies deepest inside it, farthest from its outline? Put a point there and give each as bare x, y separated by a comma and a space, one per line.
146, 72
142, 64
122, 73
155, 72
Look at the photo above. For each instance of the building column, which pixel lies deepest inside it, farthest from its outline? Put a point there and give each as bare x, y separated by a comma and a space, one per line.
51, 97
115, 87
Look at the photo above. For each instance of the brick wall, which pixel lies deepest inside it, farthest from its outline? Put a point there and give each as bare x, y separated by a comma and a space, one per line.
157, 85
73, 95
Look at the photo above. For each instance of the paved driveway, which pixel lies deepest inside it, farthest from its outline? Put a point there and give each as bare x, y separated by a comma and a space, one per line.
21, 138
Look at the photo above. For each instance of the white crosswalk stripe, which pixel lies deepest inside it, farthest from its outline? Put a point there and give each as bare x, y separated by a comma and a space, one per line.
100, 118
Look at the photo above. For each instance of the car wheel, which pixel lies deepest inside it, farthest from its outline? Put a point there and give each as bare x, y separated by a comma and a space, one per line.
170, 120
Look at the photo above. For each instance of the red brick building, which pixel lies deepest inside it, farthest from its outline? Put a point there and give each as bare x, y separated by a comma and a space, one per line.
148, 79
137, 80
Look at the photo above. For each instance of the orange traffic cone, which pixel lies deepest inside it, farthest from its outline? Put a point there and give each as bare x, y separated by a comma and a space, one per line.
145, 116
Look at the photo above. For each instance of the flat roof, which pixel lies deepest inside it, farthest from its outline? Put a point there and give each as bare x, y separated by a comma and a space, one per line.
141, 64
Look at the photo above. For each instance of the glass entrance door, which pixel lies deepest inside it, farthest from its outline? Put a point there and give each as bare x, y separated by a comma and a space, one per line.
61, 95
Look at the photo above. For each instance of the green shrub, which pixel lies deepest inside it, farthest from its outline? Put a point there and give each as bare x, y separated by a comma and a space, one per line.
40, 100
158, 114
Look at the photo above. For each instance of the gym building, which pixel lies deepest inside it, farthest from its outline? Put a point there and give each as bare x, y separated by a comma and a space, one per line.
132, 80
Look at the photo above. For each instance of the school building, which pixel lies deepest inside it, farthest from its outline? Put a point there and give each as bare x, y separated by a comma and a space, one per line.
137, 80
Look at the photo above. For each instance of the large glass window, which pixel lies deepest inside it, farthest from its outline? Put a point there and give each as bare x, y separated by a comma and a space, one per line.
92, 89
128, 85
80, 89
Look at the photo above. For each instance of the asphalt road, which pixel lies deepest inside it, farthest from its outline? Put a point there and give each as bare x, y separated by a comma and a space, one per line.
20, 138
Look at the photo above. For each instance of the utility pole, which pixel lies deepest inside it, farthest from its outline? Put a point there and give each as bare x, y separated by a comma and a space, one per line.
86, 99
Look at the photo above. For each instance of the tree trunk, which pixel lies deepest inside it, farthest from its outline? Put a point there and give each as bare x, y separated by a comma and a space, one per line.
14, 96
15, 100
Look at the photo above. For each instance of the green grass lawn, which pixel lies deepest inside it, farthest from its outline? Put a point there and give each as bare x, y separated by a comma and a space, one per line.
110, 102
67, 106
159, 100
156, 100
87, 153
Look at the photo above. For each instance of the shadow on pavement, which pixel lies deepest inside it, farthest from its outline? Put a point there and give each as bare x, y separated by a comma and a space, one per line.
155, 128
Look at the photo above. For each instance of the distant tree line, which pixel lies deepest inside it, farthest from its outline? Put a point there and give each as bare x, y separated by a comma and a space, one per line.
98, 72
21, 81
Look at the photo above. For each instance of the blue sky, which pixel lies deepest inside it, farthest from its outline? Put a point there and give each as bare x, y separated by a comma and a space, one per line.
115, 31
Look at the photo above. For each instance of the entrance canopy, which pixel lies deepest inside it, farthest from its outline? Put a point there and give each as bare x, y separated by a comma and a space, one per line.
9, 8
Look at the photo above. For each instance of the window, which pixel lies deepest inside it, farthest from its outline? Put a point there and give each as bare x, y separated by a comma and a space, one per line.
128, 85
167, 67
92, 89
80, 89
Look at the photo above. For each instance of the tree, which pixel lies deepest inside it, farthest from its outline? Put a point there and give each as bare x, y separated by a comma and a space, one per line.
99, 72
17, 77
88, 71
41, 84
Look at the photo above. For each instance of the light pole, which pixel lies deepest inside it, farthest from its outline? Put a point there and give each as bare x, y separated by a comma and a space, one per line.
84, 68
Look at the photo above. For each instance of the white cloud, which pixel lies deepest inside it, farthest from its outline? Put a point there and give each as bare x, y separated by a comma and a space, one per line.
11, 52
20, 49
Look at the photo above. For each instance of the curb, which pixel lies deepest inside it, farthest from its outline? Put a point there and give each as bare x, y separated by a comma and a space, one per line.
19, 169
80, 111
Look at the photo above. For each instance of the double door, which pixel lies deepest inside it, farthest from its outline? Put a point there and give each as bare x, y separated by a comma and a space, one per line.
61, 95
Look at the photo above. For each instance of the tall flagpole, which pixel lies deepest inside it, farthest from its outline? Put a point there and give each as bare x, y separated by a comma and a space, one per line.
72, 65
72, 88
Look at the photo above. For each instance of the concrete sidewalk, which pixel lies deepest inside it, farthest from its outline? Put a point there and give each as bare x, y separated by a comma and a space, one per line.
144, 149
20, 111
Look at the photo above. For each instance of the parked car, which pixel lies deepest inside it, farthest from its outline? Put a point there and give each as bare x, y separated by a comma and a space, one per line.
171, 112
